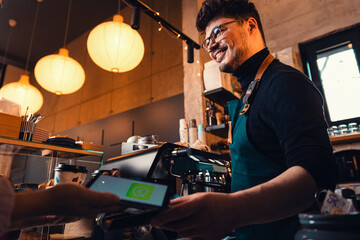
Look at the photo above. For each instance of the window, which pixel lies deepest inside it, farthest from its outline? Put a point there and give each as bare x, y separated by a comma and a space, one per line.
332, 63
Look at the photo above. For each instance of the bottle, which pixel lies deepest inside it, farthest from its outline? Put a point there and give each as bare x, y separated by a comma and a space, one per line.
201, 133
218, 115
183, 132
192, 132
210, 114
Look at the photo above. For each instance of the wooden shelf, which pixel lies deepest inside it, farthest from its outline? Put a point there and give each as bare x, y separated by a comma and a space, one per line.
349, 138
220, 96
218, 130
44, 146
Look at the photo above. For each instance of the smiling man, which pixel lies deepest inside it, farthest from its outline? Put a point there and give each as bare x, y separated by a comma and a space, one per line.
280, 151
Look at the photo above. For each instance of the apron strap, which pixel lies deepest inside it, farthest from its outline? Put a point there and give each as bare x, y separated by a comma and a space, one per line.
254, 85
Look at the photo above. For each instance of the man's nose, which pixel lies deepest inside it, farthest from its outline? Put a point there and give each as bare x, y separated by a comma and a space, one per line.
213, 44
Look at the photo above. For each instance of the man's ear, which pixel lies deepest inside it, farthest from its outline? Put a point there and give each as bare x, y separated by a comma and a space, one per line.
252, 24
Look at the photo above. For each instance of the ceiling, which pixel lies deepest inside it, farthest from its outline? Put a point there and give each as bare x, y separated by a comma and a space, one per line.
50, 28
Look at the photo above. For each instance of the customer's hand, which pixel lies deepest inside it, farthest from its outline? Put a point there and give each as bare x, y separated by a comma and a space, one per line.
64, 199
41, 221
199, 216
75, 200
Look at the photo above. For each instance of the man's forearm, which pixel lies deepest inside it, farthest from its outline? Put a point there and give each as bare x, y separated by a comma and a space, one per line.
284, 196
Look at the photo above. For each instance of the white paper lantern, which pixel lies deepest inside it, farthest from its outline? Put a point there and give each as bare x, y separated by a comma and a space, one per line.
24, 94
59, 73
115, 46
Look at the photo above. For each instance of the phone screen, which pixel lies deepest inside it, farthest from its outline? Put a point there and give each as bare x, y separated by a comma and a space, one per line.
131, 190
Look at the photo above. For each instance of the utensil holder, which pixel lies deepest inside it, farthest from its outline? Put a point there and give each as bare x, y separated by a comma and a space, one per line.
27, 130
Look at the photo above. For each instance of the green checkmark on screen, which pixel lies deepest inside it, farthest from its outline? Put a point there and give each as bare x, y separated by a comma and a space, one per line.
140, 191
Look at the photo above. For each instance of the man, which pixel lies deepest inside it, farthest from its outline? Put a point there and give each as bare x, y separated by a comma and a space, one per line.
280, 150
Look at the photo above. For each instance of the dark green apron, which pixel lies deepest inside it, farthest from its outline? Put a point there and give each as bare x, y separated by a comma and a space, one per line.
251, 168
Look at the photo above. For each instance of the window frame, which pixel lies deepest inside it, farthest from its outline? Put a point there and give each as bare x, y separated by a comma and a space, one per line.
309, 51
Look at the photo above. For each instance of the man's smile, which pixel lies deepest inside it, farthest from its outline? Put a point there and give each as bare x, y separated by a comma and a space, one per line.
219, 54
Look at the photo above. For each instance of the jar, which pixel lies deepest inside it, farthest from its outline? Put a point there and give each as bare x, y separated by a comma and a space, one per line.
318, 226
353, 127
330, 132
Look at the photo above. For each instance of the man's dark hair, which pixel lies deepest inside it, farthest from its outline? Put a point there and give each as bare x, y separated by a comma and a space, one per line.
227, 8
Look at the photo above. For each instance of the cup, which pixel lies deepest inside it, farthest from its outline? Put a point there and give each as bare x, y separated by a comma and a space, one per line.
69, 174
148, 139
183, 131
133, 139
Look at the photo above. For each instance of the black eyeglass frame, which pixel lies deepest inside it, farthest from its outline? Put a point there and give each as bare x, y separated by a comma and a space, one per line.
206, 43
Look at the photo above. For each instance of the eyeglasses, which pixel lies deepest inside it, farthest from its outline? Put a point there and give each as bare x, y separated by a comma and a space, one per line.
216, 32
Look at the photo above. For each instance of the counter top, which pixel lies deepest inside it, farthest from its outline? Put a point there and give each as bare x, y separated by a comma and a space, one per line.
44, 146
349, 138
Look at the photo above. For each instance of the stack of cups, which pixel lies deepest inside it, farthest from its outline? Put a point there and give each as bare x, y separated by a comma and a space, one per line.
201, 133
192, 132
183, 132
189, 134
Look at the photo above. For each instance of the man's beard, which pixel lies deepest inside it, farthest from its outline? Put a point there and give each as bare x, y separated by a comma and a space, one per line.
226, 68
237, 61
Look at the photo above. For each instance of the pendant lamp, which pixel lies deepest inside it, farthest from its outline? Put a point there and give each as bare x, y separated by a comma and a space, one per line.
24, 94
115, 46
59, 73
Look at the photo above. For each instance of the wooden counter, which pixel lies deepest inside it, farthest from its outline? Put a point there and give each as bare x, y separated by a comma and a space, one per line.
349, 138
346, 142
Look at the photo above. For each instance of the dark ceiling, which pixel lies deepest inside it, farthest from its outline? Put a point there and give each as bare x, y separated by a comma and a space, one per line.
50, 27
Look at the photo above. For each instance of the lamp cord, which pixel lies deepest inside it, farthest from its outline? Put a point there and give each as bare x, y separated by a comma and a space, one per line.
6, 49
166, 10
32, 36
67, 23
119, 6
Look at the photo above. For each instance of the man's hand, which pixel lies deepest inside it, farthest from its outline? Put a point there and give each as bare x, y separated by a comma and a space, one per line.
200, 216
214, 215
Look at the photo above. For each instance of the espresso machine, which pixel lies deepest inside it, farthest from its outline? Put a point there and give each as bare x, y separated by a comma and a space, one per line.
198, 171
184, 170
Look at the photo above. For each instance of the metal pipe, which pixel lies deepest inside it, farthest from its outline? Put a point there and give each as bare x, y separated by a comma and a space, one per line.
156, 16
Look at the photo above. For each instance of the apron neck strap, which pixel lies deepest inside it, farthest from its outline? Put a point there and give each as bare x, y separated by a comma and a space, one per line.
254, 85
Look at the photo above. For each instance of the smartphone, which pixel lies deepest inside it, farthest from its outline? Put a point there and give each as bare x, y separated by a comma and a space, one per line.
142, 200
133, 193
